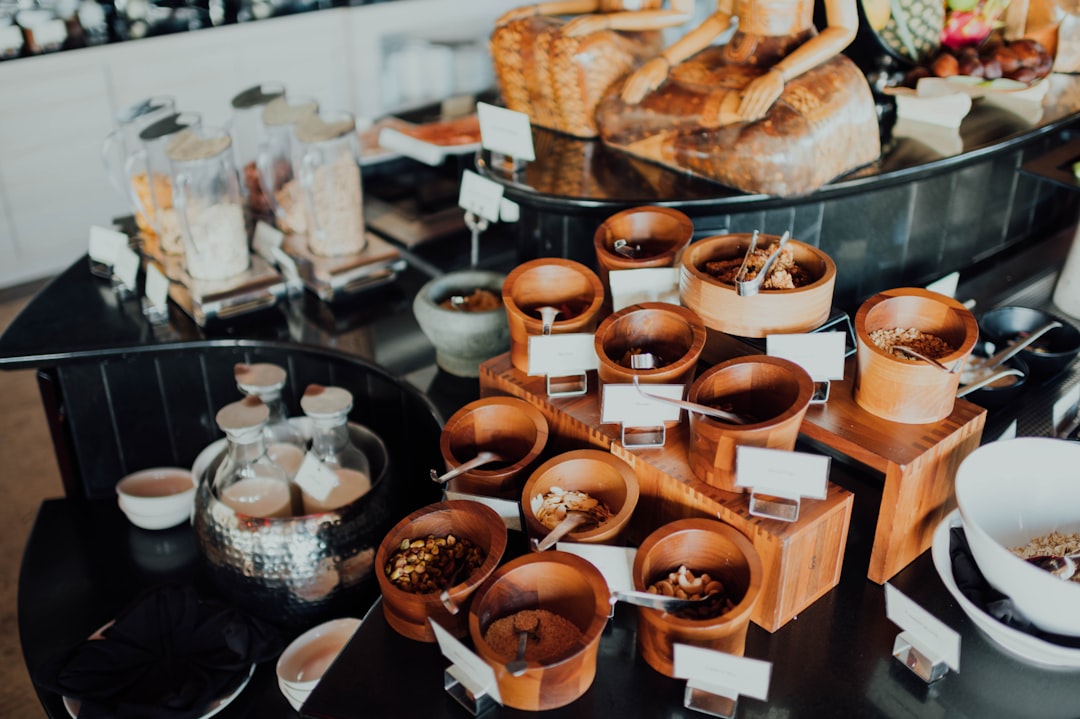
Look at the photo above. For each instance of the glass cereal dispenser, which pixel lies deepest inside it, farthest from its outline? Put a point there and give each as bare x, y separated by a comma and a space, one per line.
123, 142
274, 159
326, 158
246, 127
206, 195
149, 172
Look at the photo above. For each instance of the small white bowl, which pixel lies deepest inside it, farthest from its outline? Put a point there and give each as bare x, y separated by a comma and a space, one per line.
157, 498
295, 698
1010, 492
307, 658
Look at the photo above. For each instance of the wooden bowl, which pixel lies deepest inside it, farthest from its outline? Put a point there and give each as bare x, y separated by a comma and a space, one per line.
669, 331
903, 390
702, 545
598, 473
549, 281
558, 582
662, 232
508, 426
768, 312
773, 390
408, 613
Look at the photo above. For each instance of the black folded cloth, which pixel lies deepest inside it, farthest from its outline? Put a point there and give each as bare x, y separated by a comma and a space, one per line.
973, 585
170, 655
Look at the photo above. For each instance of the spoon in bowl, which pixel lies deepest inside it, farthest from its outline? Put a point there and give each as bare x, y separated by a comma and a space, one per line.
572, 521
547, 317
929, 360
1061, 566
525, 626
976, 366
479, 460
660, 601
722, 415
624, 248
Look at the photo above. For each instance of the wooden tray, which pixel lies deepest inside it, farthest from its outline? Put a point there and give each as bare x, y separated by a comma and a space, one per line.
801, 560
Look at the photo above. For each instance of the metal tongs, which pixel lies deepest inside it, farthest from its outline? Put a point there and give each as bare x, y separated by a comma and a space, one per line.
749, 288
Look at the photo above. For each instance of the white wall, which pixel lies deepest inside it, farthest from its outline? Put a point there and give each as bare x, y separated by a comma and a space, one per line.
57, 109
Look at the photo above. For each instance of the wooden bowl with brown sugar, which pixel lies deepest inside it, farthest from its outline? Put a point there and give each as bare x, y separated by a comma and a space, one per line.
673, 334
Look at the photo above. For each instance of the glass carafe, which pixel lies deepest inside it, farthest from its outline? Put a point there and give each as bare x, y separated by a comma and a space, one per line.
245, 126
148, 169
206, 197
326, 157
274, 159
284, 442
349, 475
123, 142
247, 480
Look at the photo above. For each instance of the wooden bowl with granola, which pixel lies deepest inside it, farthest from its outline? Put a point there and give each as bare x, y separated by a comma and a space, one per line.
796, 297
894, 384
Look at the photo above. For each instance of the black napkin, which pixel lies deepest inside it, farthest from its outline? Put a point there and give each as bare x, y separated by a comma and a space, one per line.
973, 585
169, 655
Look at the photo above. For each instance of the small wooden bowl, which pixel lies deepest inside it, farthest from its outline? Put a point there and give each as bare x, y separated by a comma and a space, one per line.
910, 391
769, 311
669, 331
662, 232
508, 426
598, 473
771, 388
563, 584
549, 281
702, 545
408, 613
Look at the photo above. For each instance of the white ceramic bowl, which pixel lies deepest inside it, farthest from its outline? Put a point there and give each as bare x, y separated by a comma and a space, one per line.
306, 659
157, 498
1009, 493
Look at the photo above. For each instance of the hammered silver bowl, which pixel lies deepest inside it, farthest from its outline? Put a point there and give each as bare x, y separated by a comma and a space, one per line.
298, 571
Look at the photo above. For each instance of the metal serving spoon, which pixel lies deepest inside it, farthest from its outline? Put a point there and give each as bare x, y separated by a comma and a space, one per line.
987, 379
660, 601
624, 248
574, 519
547, 317
525, 627
976, 366
1061, 566
930, 360
479, 460
722, 415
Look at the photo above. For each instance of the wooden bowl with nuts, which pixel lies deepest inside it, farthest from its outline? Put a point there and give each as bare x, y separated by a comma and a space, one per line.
584, 480
688, 549
431, 562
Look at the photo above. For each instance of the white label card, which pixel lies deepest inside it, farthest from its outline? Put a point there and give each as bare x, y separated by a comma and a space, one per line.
821, 354
127, 266
936, 637
615, 563
509, 511
560, 355
480, 196
409, 146
476, 670
157, 286
505, 131
723, 673
11, 37
623, 404
1066, 406
509, 211
946, 285
266, 239
52, 32
316, 478
649, 284
782, 473
105, 244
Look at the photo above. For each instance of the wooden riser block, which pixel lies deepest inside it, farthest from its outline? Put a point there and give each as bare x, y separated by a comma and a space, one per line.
801, 560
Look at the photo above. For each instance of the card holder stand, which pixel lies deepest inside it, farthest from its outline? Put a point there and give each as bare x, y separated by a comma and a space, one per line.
512, 166
155, 314
922, 663
710, 702
651, 437
122, 289
570, 385
771, 506
475, 700
821, 392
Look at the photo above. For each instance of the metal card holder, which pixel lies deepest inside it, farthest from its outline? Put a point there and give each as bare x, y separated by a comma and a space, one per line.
922, 663
571, 385
475, 700
511, 166
821, 392
841, 321
643, 437
769, 506
711, 703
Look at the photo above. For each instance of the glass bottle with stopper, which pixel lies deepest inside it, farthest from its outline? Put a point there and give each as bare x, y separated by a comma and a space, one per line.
284, 442
335, 472
248, 481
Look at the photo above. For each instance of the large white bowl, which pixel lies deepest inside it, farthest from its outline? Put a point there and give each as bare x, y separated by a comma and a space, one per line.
1009, 493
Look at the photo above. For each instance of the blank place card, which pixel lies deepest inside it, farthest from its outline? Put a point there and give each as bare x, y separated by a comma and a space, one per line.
265, 239
561, 355
105, 244
157, 286
624, 404
782, 473
505, 131
127, 266
480, 196
473, 672
508, 510
722, 673
821, 354
615, 563
648, 284
935, 638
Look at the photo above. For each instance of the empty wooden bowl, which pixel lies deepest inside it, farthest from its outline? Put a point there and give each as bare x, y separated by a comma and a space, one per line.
911, 391
670, 332
773, 393
659, 234
597, 473
769, 311
564, 284
507, 426
408, 612
564, 585
701, 545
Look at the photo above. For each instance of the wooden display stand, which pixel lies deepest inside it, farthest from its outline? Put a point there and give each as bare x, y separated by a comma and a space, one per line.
801, 560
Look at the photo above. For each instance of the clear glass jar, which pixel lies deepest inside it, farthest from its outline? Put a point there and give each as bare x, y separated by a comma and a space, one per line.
148, 169
284, 442
245, 126
274, 159
247, 480
206, 195
331, 448
326, 157
123, 142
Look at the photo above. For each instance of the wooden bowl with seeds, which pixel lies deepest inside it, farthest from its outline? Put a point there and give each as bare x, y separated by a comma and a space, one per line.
431, 562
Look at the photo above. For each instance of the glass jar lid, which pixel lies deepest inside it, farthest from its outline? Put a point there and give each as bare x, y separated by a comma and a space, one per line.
257, 95
188, 146
318, 129
146, 107
243, 416
169, 125
259, 377
325, 402
280, 111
